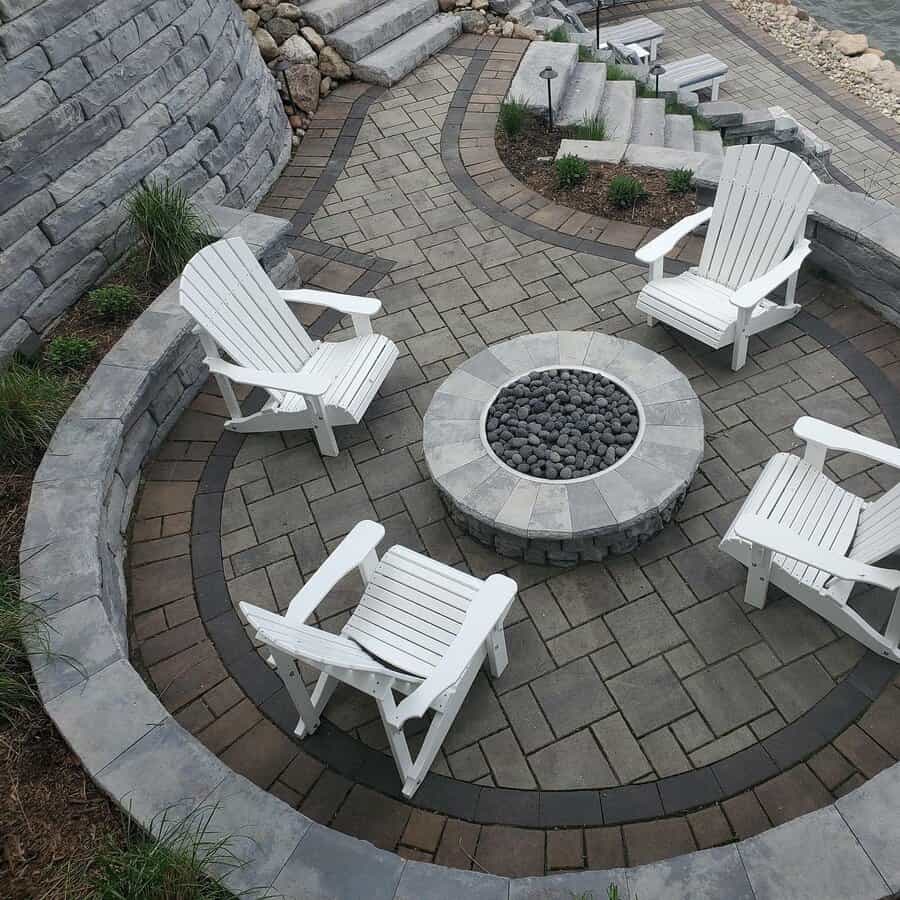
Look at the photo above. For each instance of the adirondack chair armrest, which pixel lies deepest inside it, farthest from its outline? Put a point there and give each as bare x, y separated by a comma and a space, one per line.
824, 434
352, 552
487, 609
783, 540
664, 243
291, 382
343, 303
752, 292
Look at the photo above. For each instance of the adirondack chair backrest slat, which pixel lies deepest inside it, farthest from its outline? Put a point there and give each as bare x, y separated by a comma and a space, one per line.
878, 532
761, 205
229, 295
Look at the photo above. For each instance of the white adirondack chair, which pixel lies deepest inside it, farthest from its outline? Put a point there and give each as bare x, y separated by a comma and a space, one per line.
311, 384
759, 213
421, 628
814, 540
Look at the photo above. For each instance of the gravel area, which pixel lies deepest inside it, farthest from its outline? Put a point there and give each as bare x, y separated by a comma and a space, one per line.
561, 424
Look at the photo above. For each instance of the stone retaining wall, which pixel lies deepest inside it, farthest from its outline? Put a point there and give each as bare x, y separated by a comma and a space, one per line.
96, 97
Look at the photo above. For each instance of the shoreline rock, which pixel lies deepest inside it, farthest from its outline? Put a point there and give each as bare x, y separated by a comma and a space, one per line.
847, 59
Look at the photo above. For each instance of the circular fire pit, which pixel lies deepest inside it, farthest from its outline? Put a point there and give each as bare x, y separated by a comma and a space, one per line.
646, 441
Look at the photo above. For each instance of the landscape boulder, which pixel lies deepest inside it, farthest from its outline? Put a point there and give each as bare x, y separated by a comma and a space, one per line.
303, 84
332, 64
851, 44
296, 50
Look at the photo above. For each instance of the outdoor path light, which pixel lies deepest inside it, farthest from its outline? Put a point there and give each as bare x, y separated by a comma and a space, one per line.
656, 71
548, 74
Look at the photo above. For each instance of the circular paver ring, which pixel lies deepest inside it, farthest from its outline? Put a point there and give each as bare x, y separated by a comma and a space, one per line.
567, 522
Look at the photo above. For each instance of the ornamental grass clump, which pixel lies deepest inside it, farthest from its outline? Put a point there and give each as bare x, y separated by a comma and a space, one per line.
570, 171
168, 228
113, 303
680, 181
171, 866
558, 35
590, 128
513, 116
625, 192
21, 625
32, 401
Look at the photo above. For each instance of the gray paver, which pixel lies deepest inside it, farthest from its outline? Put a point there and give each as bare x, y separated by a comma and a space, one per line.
718, 627
727, 695
644, 628
572, 696
649, 696
573, 762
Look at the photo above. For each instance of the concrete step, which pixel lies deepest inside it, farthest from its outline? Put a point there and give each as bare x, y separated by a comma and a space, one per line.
649, 125
328, 15
388, 64
708, 142
679, 132
383, 24
584, 95
618, 109
530, 88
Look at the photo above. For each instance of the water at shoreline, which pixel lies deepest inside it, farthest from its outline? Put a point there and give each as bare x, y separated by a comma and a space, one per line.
878, 19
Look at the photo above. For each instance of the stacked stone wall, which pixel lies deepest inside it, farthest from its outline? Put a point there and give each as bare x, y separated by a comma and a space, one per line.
97, 97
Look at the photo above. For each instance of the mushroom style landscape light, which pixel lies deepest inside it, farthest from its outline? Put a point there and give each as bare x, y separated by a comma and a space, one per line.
548, 74
657, 70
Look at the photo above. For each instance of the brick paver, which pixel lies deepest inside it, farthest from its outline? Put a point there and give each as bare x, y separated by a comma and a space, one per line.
622, 673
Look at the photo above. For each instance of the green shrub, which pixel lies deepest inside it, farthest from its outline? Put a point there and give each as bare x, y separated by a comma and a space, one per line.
570, 170
513, 116
585, 54
32, 401
113, 302
625, 191
559, 35
680, 181
590, 128
172, 866
168, 227
67, 354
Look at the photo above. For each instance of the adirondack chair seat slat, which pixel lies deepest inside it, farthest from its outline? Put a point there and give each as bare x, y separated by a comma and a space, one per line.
696, 306
754, 243
815, 540
420, 628
239, 311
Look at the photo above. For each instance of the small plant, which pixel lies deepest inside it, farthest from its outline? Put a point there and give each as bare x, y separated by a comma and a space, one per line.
113, 303
32, 401
680, 181
570, 171
20, 623
513, 115
168, 227
615, 72
67, 353
585, 54
590, 128
172, 866
625, 191
558, 35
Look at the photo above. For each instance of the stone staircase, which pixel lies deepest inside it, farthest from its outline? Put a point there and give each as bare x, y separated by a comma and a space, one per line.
382, 40
581, 90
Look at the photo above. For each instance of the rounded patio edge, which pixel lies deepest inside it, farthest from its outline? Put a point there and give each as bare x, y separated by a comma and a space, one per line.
72, 560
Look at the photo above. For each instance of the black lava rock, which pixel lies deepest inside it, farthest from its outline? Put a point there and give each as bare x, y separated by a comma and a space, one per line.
561, 424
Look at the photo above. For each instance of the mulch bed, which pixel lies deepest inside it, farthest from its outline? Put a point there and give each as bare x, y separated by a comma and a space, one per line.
53, 819
522, 155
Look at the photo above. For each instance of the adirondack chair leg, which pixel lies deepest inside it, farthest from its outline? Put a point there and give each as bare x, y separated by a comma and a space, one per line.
892, 632
324, 432
714, 90
815, 454
228, 395
739, 351
758, 576
654, 49
497, 655
287, 671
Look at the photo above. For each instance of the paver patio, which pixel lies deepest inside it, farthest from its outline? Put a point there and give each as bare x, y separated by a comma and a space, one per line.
622, 674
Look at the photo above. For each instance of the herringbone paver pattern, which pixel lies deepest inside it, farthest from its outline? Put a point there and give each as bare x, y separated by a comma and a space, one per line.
643, 667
